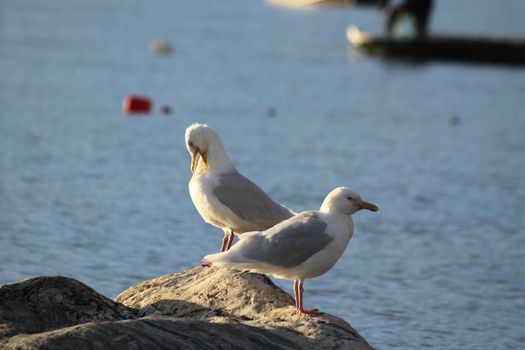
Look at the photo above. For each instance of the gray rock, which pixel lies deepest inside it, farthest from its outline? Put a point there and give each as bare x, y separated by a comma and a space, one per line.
154, 333
44, 303
201, 308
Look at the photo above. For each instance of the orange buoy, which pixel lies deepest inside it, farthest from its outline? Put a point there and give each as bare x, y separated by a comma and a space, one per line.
136, 104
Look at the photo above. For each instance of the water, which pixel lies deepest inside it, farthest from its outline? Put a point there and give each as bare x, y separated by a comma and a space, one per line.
87, 193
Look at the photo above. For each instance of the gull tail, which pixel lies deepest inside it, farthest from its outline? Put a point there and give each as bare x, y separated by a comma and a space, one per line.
232, 258
219, 259
235, 260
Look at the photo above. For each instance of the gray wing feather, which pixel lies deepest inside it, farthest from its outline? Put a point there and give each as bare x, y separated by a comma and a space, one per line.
289, 244
249, 202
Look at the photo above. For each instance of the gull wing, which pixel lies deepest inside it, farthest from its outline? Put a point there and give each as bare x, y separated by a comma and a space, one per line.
288, 244
246, 200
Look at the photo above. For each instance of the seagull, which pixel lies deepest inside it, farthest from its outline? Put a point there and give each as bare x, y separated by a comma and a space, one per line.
223, 197
304, 246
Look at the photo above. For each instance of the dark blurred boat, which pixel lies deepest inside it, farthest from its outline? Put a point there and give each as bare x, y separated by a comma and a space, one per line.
309, 3
441, 47
346, 2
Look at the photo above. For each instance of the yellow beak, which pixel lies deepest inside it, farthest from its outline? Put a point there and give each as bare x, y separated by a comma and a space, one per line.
195, 157
369, 206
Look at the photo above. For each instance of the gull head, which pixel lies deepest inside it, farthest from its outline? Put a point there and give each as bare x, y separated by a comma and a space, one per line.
200, 138
345, 201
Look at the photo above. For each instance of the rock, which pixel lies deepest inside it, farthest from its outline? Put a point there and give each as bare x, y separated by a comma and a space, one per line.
152, 333
207, 292
201, 308
44, 303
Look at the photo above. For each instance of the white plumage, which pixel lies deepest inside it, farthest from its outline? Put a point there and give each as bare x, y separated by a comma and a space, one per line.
223, 197
304, 246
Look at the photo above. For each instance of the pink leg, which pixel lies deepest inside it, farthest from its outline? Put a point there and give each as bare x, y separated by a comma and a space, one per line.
300, 310
224, 242
230, 240
296, 293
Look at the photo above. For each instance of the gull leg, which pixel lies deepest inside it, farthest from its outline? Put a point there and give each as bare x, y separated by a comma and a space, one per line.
296, 294
300, 310
224, 242
229, 240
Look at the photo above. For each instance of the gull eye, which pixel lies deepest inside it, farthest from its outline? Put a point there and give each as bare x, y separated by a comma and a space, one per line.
190, 144
350, 198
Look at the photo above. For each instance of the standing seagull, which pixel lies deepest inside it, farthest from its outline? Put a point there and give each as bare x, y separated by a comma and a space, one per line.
222, 196
302, 247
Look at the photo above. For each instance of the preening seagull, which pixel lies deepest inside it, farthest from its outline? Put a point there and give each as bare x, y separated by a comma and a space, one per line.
305, 246
223, 197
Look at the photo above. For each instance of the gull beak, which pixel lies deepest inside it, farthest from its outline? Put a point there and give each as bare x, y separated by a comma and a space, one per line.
369, 206
195, 157
203, 155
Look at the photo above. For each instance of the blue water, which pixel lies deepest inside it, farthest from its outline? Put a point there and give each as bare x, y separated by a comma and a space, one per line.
88, 193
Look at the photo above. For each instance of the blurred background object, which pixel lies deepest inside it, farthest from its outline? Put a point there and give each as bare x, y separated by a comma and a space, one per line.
89, 194
165, 109
418, 10
136, 104
400, 41
309, 3
271, 112
161, 47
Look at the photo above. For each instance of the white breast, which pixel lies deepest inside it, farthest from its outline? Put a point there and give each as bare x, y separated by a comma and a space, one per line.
201, 193
213, 211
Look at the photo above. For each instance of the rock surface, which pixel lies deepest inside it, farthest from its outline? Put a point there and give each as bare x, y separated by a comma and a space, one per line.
43, 303
194, 309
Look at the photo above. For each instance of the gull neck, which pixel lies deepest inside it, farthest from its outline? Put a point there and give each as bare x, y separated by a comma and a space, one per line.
218, 161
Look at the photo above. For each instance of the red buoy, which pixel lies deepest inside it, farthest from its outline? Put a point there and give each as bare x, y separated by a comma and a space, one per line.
136, 104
